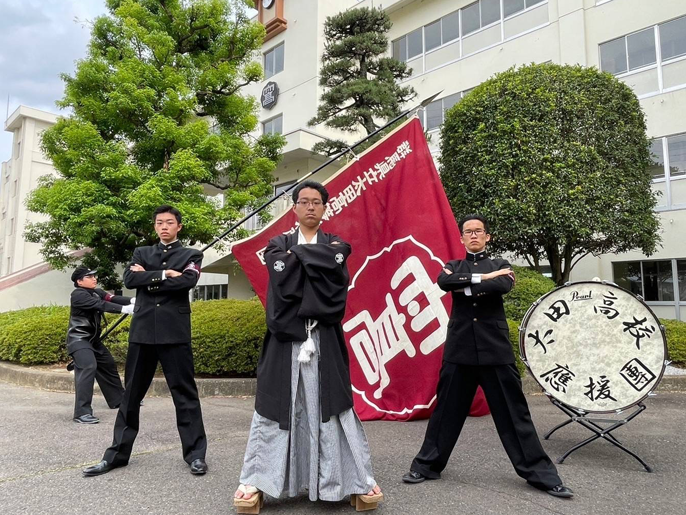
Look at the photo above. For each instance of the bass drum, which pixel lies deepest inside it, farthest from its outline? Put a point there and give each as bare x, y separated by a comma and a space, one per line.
593, 346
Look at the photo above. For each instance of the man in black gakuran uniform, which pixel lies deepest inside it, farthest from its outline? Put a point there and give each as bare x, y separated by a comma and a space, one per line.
163, 275
92, 360
478, 352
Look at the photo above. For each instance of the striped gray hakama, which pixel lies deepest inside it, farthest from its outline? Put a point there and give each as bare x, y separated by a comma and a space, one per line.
329, 460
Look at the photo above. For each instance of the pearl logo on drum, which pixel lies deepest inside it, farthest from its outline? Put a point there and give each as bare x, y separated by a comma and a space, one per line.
578, 296
279, 266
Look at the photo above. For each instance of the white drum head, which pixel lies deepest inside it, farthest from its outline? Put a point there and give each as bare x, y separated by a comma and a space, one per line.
593, 346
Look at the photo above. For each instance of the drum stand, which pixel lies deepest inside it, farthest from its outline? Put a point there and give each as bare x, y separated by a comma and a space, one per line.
601, 427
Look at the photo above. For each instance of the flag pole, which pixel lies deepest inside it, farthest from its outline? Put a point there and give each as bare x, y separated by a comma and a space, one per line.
264, 206
343, 152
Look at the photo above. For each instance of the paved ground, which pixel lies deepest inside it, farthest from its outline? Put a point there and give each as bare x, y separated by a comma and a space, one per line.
42, 452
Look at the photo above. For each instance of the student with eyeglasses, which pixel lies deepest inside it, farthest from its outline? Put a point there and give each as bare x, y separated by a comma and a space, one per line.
305, 434
478, 353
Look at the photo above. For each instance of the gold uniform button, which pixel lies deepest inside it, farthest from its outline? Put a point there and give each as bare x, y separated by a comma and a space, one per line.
474, 319
475, 263
159, 306
165, 250
474, 304
164, 262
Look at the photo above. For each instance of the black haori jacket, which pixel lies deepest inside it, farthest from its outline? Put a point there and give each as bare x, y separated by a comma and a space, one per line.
163, 311
309, 283
87, 307
477, 331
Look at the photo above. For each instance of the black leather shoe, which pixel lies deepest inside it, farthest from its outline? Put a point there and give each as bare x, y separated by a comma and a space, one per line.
414, 477
198, 467
561, 491
96, 470
87, 419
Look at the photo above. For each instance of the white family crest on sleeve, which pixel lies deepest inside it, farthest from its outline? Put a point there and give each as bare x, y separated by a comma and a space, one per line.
279, 266
339, 258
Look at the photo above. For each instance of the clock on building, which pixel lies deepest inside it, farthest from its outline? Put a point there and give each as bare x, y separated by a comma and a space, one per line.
267, 3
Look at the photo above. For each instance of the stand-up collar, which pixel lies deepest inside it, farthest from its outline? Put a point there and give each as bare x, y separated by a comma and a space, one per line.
478, 256
168, 246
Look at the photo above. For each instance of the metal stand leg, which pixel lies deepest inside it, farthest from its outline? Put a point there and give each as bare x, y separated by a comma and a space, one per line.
596, 426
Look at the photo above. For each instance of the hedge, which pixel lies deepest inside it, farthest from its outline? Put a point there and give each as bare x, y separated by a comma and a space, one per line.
227, 334
529, 287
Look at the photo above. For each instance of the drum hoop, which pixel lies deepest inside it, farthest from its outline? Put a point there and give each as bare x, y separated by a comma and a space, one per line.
522, 339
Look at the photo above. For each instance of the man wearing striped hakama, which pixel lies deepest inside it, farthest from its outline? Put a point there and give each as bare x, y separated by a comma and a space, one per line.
305, 435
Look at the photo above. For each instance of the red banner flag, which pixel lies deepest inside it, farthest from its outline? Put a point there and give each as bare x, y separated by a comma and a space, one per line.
389, 204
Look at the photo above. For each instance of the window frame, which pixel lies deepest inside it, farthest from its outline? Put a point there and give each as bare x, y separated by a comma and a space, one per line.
271, 120
272, 51
658, 64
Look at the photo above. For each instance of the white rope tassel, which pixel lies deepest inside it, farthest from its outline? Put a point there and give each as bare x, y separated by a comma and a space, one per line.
307, 347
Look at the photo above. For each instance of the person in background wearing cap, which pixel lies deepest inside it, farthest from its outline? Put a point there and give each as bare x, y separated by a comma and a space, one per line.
92, 360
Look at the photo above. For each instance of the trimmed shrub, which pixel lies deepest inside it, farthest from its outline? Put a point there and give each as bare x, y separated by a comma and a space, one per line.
676, 340
227, 335
529, 287
34, 335
514, 339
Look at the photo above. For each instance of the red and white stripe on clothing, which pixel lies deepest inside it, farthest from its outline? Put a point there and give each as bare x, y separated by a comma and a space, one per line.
108, 297
192, 266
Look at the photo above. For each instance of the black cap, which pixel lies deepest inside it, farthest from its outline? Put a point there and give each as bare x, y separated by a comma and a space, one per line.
80, 272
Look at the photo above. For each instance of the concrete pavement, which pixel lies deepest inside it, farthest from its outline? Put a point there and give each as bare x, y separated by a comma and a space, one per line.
42, 453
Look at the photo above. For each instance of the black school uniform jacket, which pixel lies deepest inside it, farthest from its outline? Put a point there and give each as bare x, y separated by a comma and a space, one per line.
87, 307
162, 314
477, 330
309, 283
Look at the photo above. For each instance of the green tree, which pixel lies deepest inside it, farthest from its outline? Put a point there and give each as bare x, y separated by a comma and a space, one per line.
556, 157
360, 82
157, 117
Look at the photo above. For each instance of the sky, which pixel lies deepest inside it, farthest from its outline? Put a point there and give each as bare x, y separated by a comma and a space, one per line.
39, 40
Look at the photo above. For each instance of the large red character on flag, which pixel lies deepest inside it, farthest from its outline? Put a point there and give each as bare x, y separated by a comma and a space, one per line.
390, 205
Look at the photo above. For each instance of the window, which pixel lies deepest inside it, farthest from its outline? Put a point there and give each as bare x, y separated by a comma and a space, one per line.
280, 188
11, 226
657, 169
273, 61
514, 6
638, 52
669, 171
480, 14
273, 126
657, 281
435, 112
432, 35
641, 49
14, 188
629, 52
442, 31
673, 38
651, 279
409, 46
211, 292
676, 146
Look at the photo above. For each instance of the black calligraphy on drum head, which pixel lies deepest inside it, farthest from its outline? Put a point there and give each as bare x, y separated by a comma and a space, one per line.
637, 374
559, 377
639, 329
593, 346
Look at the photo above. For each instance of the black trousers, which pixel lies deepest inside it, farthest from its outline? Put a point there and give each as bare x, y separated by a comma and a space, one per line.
177, 365
503, 389
95, 365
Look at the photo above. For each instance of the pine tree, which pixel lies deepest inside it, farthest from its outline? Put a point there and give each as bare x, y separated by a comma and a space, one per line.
361, 83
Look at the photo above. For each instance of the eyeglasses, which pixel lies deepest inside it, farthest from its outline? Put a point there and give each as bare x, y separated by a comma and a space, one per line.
313, 203
469, 232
